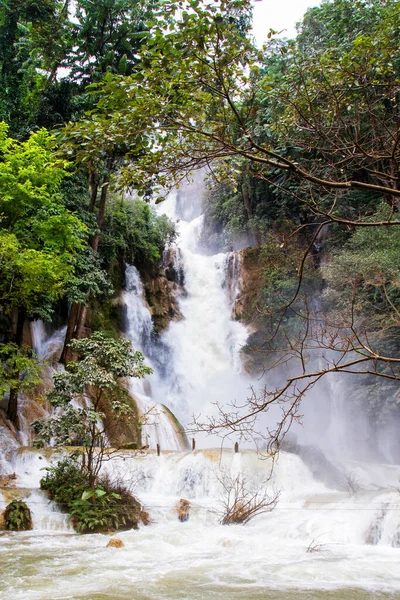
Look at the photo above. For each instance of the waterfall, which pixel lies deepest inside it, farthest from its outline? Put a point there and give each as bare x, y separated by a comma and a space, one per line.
159, 481
205, 365
158, 428
196, 361
47, 346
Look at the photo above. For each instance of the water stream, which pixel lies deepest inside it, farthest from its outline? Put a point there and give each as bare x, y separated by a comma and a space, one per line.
322, 541
317, 543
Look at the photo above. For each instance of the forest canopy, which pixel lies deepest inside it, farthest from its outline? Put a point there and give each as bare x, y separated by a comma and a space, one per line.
300, 140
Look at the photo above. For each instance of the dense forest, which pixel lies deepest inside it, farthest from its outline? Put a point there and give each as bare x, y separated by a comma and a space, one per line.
106, 106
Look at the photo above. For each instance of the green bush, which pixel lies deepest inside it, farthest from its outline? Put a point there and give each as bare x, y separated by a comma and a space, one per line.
18, 516
65, 482
109, 506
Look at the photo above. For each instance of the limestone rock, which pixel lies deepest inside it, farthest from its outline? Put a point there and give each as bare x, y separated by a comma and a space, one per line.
163, 288
8, 480
115, 543
183, 510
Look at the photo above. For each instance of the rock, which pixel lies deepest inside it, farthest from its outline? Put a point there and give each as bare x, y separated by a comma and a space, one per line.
8, 480
2, 520
115, 543
163, 286
145, 517
183, 510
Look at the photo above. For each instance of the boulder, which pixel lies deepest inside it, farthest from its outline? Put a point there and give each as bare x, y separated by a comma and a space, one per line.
2, 520
145, 517
115, 543
8, 480
183, 510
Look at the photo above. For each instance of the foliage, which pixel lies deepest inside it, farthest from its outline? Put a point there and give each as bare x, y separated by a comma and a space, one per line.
18, 368
39, 238
365, 274
103, 507
65, 481
102, 361
134, 233
18, 516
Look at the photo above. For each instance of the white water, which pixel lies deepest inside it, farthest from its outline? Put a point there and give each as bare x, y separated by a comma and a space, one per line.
47, 346
267, 558
205, 344
196, 361
157, 425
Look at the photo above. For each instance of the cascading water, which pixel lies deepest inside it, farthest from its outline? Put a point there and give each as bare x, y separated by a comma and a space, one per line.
47, 346
197, 360
158, 428
317, 543
335, 536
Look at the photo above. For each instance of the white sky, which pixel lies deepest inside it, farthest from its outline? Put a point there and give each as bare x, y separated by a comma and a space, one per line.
278, 15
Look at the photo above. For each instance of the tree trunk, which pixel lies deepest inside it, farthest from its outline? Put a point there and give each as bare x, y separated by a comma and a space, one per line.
95, 245
78, 313
93, 186
102, 211
72, 319
12, 408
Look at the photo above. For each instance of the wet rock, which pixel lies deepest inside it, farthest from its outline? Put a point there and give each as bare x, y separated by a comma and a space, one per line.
183, 510
115, 543
2, 520
8, 480
163, 287
145, 517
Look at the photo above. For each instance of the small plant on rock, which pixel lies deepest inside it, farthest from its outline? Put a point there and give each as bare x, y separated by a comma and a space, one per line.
105, 507
18, 516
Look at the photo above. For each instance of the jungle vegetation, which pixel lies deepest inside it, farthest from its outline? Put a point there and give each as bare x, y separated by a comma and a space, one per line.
300, 140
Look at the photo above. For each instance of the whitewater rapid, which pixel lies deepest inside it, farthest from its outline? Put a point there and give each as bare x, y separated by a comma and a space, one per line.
316, 543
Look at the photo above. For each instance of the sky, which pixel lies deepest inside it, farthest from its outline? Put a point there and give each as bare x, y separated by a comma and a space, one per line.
278, 15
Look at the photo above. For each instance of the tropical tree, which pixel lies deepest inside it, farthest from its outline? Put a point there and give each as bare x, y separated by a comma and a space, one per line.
325, 115
85, 391
39, 238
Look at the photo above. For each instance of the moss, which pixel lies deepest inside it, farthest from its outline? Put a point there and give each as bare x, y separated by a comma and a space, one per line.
106, 316
122, 431
178, 427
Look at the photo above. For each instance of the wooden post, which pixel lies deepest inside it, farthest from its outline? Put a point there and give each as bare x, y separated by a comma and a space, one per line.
193, 444
236, 446
158, 450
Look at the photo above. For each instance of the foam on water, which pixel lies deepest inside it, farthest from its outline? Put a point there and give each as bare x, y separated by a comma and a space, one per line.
201, 558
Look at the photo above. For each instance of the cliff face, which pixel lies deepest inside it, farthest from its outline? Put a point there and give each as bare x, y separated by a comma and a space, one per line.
247, 308
163, 287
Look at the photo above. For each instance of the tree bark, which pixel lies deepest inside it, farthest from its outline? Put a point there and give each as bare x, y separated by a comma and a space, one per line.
72, 319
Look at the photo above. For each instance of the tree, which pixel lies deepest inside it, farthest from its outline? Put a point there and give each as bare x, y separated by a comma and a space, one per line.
93, 381
39, 238
325, 115
243, 500
19, 370
32, 41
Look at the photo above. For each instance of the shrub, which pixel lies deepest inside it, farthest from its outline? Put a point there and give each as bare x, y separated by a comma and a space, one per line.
104, 507
65, 482
17, 516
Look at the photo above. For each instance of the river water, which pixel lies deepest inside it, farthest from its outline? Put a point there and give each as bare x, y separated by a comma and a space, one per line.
317, 542
322, 541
